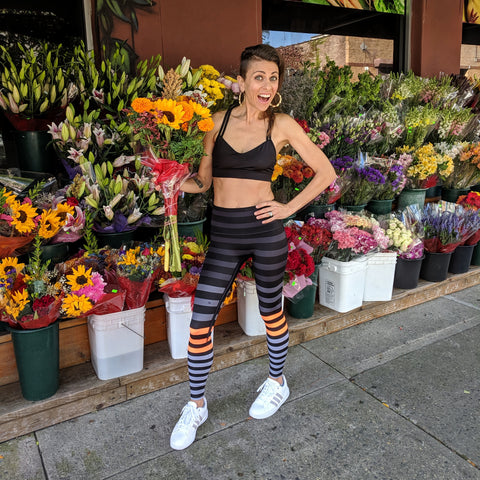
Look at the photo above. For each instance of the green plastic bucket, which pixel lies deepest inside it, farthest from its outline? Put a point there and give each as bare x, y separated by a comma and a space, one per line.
190, 229
36, 354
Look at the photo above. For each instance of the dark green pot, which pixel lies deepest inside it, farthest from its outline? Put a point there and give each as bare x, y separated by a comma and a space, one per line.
316, 211
476, 255
380, 207
302, 305
34, 153
190, 229
411, 196
354, 208
435, 266
56, 253
452, 194
461, 259
115, 240
37, 357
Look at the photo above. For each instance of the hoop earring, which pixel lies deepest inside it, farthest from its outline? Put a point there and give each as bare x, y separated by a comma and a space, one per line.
241, 98
279, 101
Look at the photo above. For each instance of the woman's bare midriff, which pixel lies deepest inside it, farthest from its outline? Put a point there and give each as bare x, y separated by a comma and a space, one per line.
239, 192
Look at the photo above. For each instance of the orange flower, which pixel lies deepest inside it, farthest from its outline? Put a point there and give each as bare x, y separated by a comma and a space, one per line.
187, 111
141, 105
206, 125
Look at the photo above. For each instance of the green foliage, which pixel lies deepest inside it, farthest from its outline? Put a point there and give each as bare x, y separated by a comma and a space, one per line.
91, 244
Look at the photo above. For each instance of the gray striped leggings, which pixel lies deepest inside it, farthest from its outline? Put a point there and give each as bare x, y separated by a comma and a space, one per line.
236, 235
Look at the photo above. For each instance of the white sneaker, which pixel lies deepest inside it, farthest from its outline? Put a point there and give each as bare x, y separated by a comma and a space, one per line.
185, 430
272, 397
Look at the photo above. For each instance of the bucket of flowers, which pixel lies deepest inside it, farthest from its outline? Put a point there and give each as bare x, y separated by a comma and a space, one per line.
30, 302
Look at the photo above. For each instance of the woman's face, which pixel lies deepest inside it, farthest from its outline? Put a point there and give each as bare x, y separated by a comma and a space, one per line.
260, 83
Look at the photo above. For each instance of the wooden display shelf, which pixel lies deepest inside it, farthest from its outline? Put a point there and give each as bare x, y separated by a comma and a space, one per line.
81, 391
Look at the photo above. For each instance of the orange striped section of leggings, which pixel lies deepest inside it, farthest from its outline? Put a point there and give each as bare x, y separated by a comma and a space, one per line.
200, 340
276, 325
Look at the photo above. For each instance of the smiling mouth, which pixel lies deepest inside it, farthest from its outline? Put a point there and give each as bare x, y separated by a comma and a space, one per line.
264, 98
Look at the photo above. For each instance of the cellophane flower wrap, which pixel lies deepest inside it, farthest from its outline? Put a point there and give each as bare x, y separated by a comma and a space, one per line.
471, 202
300, 264
184, 283
29, 296
362, 180
136, 270
393, 168
404, 235
354, 235
290, 176
466, 159
170, 132
86, 289
18, 222
447, 226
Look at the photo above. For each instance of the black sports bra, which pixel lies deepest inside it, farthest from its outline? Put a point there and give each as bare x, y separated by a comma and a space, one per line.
256, 164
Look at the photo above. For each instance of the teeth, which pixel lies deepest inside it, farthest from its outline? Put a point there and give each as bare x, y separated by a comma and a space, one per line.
264, 96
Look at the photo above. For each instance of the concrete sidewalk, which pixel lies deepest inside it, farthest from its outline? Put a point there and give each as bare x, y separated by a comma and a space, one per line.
394, 398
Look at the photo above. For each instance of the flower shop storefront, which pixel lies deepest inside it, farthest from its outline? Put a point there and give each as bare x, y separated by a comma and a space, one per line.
93, 245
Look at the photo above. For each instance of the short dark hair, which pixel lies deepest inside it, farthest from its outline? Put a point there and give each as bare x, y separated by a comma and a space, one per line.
261, 52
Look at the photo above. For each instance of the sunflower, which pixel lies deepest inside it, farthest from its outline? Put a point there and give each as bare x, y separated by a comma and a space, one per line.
50, 224
141, 105
170, 112
8, 197
80, 278
19, 300
204, 112
187, 111
8, 264
23, 217
75, 305
62, 210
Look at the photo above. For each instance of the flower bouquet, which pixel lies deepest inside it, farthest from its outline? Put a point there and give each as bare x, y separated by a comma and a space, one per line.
427, 166
354, 235
290, 175
136, 270
362, 181
17, 222
466, 159
405, 238
171, 130
300, 264
394, 171
183, 284
29, 296
446, 228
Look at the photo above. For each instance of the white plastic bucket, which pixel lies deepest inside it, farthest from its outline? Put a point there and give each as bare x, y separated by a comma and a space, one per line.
379, 276
341, 284
248, 313
117, 343
179, 315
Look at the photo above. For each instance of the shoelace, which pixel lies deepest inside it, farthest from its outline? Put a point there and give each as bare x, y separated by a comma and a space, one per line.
267, 389
187, 417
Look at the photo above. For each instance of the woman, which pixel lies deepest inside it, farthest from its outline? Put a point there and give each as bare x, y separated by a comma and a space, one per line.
240, 154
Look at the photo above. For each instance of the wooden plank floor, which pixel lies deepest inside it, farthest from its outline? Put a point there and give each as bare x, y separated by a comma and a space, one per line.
82, 392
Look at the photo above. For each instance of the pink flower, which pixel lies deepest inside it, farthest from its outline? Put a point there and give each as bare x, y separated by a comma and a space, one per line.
95, 291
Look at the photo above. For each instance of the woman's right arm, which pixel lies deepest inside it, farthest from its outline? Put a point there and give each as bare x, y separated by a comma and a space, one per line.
203, 180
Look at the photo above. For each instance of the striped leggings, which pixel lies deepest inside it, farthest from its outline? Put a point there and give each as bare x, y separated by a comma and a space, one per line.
236, 235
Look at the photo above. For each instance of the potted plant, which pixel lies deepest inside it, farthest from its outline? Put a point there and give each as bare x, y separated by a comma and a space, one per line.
35, 88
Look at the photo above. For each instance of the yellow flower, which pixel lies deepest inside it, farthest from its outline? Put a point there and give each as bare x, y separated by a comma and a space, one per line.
80, 278
9, 263
62, 209
9, 197
19, 300
75, 305
277, 171
187, 256
49, 224
170, 112
23, 215
130, 257
200, 110
193, 247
